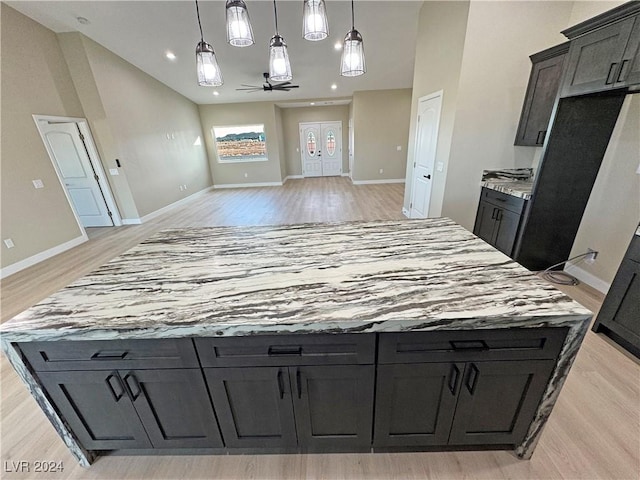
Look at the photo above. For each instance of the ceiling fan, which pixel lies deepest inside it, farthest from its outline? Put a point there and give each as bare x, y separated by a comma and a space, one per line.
268, 86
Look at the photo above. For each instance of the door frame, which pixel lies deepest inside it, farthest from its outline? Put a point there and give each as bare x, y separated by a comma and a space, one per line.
439, 93
302, 124
94, 159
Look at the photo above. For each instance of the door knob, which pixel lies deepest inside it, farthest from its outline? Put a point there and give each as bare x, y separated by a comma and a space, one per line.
428, 177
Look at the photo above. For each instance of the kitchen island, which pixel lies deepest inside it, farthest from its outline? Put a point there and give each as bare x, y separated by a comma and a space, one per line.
383, 336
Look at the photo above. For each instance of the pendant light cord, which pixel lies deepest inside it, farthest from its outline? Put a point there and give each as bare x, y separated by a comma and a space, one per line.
199, 24
353, 22
275, 14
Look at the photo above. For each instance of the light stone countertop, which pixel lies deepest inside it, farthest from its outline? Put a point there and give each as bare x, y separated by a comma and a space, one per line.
350, 277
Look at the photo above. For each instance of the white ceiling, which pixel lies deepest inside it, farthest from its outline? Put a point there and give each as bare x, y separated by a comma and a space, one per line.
142, 31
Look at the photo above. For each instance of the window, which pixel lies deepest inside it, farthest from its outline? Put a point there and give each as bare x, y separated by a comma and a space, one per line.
243, 143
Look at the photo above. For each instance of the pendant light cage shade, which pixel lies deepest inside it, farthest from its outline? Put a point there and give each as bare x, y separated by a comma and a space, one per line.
209, 73
315, 25
239, 31
353, 62
279, 65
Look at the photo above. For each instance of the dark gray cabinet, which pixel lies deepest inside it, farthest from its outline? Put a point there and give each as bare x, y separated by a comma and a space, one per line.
604, 52
461, 388
619, 316
542, 90
129, 409
292, 392
498, 219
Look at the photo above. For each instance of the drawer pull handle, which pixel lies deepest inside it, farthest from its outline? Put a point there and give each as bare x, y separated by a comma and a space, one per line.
472, 378
469, 345
108, 356
299, 382
280, 384
112, 389
136, 385
610, 77
284, 351
620, 76
493, 214
454, 375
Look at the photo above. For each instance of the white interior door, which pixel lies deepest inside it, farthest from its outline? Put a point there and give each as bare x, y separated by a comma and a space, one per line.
70, 156
331, 151
425, 154
310, 143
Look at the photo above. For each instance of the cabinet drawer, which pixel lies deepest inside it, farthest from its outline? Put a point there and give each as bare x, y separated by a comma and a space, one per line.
471, 345
508, 202
110, 354
286, 350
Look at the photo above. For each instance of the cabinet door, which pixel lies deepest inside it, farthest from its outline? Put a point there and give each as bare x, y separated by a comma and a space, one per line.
253, 405
333, 406
541, 94
498, 400
506, 230
415, 403
485, 221
595, 59
629, 73
174, 407
97, 408
620, 310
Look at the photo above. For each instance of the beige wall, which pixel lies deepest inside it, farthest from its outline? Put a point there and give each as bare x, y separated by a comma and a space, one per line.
441, 33
281, 142
381, 123
154, 129
584, 9
495, 69
35, 80
292, 117
613, 210
231, 114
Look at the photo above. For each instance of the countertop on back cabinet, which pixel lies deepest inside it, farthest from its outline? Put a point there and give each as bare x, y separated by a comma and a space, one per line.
336, 278
510, 187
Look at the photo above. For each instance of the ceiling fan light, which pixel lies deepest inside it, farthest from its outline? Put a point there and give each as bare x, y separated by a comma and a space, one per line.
239, 31
315, 25
279, 65
209, 73
353, 62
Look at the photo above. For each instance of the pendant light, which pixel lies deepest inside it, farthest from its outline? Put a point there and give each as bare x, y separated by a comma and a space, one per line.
239, 31
315, 25
352, 63
279, 65
209, 74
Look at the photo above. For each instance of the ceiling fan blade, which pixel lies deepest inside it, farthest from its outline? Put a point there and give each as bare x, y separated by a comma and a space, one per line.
249, 89
252, 86
281, 84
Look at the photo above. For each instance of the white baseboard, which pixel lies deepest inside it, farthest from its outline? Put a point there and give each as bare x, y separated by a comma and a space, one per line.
371, 182
291, 177
39, 257
345, 174
173, 205
247, 185
588, 278
406, 213
131, 221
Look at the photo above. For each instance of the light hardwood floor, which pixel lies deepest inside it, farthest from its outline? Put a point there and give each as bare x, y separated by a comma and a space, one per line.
593, 432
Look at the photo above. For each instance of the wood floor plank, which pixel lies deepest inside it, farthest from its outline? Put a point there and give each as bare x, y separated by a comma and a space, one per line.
593, 433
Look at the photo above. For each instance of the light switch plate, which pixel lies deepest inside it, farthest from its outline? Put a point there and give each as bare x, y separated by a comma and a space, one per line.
439, 166
38, 183
114, 171
9, 243
399, 148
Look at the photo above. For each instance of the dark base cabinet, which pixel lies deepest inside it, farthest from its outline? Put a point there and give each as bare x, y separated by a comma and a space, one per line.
135, 408
478, 403
301, 393
498, 219
619, 316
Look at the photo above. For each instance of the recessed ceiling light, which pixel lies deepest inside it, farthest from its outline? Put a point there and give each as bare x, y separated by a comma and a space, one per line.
334, 86
83, 21
338, 46
216, 93
312, 103
170, 55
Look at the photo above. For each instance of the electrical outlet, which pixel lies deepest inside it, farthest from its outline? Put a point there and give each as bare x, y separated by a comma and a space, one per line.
591, 256
184, 186
9, 243
381, 171
399, 148
181, 189
37, 183
246, 175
